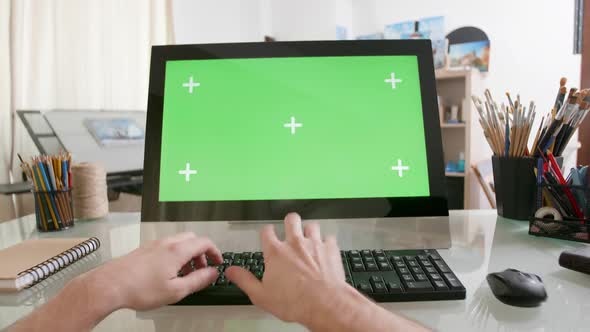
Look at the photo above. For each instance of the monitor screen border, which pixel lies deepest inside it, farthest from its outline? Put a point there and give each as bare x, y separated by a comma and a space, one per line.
433, 205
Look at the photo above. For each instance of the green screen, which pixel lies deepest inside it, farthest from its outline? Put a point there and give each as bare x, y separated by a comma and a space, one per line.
293, 128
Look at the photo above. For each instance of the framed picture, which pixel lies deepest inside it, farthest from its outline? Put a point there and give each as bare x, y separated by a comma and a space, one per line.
473, 55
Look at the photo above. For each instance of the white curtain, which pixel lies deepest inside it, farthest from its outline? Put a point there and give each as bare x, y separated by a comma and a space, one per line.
74, 54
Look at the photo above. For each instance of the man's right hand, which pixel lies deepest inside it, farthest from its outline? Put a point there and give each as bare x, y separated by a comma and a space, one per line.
304, 282
299, 272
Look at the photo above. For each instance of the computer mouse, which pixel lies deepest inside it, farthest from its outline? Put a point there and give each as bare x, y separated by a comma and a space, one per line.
517, 288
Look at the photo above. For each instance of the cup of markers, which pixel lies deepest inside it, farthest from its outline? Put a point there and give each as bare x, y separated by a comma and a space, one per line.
52, 191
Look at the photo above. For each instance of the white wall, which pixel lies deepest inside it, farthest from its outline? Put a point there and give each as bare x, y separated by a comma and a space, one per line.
219, 21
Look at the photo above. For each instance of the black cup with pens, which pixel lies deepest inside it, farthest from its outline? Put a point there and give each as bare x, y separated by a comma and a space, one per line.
507, 129
52, 191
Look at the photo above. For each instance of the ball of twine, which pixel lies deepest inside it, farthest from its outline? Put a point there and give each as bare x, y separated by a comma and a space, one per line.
89, 191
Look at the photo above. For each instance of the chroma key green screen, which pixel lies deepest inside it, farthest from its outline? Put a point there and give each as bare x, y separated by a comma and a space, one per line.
293, 128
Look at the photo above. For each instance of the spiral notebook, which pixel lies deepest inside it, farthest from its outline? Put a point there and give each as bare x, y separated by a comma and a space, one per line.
29, 262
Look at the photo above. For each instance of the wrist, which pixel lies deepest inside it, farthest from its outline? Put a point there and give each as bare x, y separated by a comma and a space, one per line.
96, 295
336, 309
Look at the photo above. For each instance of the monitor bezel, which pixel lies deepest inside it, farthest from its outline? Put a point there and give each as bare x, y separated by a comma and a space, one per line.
433, 205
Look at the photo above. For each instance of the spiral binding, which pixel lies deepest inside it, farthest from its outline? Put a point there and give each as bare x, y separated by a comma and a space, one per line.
51, 266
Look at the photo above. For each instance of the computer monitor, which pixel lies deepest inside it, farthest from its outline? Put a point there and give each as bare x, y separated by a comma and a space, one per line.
329, 129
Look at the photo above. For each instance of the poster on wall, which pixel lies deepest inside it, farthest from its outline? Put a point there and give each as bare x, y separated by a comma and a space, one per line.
426, 28
473, 54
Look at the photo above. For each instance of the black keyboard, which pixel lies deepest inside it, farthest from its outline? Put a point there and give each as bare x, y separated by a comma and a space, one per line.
383, 275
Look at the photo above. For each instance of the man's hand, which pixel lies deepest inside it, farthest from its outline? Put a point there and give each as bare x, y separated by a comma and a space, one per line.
304, 282
147, 277
298, 272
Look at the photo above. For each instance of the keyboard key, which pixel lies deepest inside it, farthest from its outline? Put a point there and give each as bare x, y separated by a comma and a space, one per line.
442, 266
396, 258
407, 277
410, 258
227, 261
251, 261
418, 286
453, 281
431, 270
258, 274
417, 270
228, 255
435, 276
256, 268
426, 263
394, 287
366, 253
237, 262
376, 279
354, 253
434, 255
400, 264
257, 255
422, 257
379, 287
364, 287
440, 285
355, 260
358, 267
413, 263
384, 266
246, 255
381, 259
421, 277
372, 267
370, 260
379, 253
403, 270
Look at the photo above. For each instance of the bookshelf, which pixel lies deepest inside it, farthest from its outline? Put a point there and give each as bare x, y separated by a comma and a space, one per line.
455, 87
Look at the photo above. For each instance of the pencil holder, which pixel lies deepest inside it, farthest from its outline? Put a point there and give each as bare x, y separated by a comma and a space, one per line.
516, 186
53, 210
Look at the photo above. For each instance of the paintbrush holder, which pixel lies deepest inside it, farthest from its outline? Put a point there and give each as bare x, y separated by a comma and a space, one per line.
515, 185
53, 210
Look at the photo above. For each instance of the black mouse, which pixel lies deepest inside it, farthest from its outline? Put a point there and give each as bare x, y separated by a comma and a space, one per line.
517, 288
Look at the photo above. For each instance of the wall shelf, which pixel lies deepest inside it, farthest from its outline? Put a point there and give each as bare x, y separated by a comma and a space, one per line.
455, 87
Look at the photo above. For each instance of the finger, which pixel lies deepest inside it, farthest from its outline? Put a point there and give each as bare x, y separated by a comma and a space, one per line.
200, 262
268, 238
312, 231
195, 281
332, 245
293, 227
190, 248
246, 281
